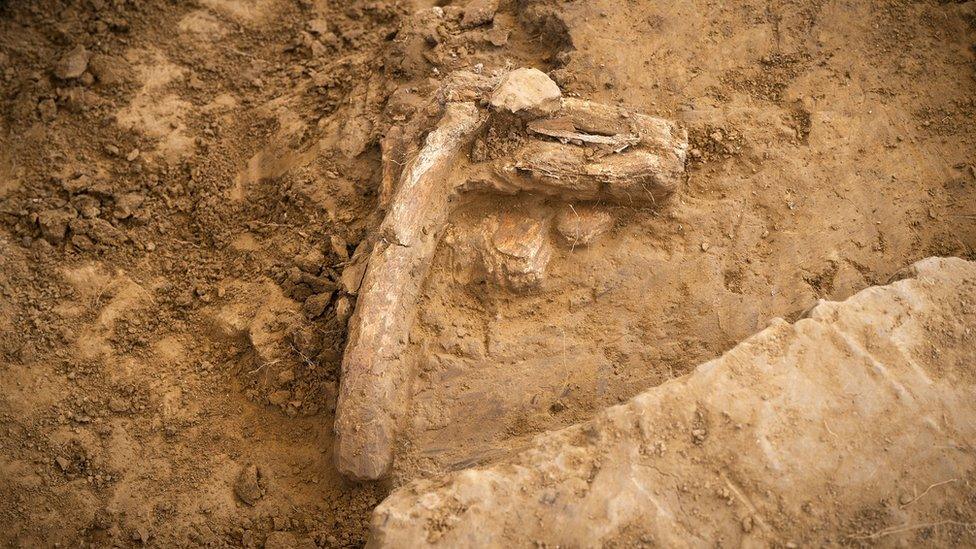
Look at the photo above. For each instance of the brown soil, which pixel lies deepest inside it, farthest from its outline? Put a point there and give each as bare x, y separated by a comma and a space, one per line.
178, 201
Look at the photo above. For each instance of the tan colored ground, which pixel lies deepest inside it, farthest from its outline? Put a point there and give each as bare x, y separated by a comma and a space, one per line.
174, 218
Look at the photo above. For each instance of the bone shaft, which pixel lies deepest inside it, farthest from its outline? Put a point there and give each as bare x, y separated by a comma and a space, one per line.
375, 371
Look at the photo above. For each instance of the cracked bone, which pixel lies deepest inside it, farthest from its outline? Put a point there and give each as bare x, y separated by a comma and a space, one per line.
600, 153
517, 251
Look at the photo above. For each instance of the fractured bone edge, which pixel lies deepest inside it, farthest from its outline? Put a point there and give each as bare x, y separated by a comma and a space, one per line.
603, 153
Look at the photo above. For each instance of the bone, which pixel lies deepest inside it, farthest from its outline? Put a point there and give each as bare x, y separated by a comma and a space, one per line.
577, 151
526, 91
565, 131
374, 369
602, 153
510, 250
393, 152
517, 250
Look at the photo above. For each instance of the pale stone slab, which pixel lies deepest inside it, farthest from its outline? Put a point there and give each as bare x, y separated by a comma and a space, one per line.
825, 431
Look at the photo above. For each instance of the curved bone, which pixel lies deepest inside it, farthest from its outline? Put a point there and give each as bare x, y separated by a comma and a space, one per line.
374, 373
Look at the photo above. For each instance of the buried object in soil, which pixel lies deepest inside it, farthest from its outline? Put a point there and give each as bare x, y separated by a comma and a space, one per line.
574, 150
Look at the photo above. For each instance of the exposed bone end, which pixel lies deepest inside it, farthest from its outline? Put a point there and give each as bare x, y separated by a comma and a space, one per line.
365, 463
527, 91
581, 225
368, 395
360, 463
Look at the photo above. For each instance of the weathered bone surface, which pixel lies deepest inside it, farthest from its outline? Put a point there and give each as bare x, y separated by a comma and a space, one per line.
578, 151
722, 453
373, 369
517, 250
508, 249
599, 153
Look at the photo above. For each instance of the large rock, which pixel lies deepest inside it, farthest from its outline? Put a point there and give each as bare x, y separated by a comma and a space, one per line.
853, 425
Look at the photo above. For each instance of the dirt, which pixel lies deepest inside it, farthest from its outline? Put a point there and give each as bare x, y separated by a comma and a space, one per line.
182, 186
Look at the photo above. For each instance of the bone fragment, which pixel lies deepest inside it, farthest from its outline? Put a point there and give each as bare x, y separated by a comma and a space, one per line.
510, 249
527, 91
518, 251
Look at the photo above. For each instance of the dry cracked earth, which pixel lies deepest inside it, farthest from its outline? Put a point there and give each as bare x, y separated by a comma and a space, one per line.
187, 188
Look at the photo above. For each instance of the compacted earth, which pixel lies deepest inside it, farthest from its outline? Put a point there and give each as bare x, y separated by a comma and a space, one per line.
184, 184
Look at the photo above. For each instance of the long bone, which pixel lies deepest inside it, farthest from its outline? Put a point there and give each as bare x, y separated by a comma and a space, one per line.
373, 369
634, 159
582, 151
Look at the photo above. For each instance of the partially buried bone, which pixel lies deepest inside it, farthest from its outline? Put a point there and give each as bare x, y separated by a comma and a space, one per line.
574, 150
595, 152
373, 369
508, 249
